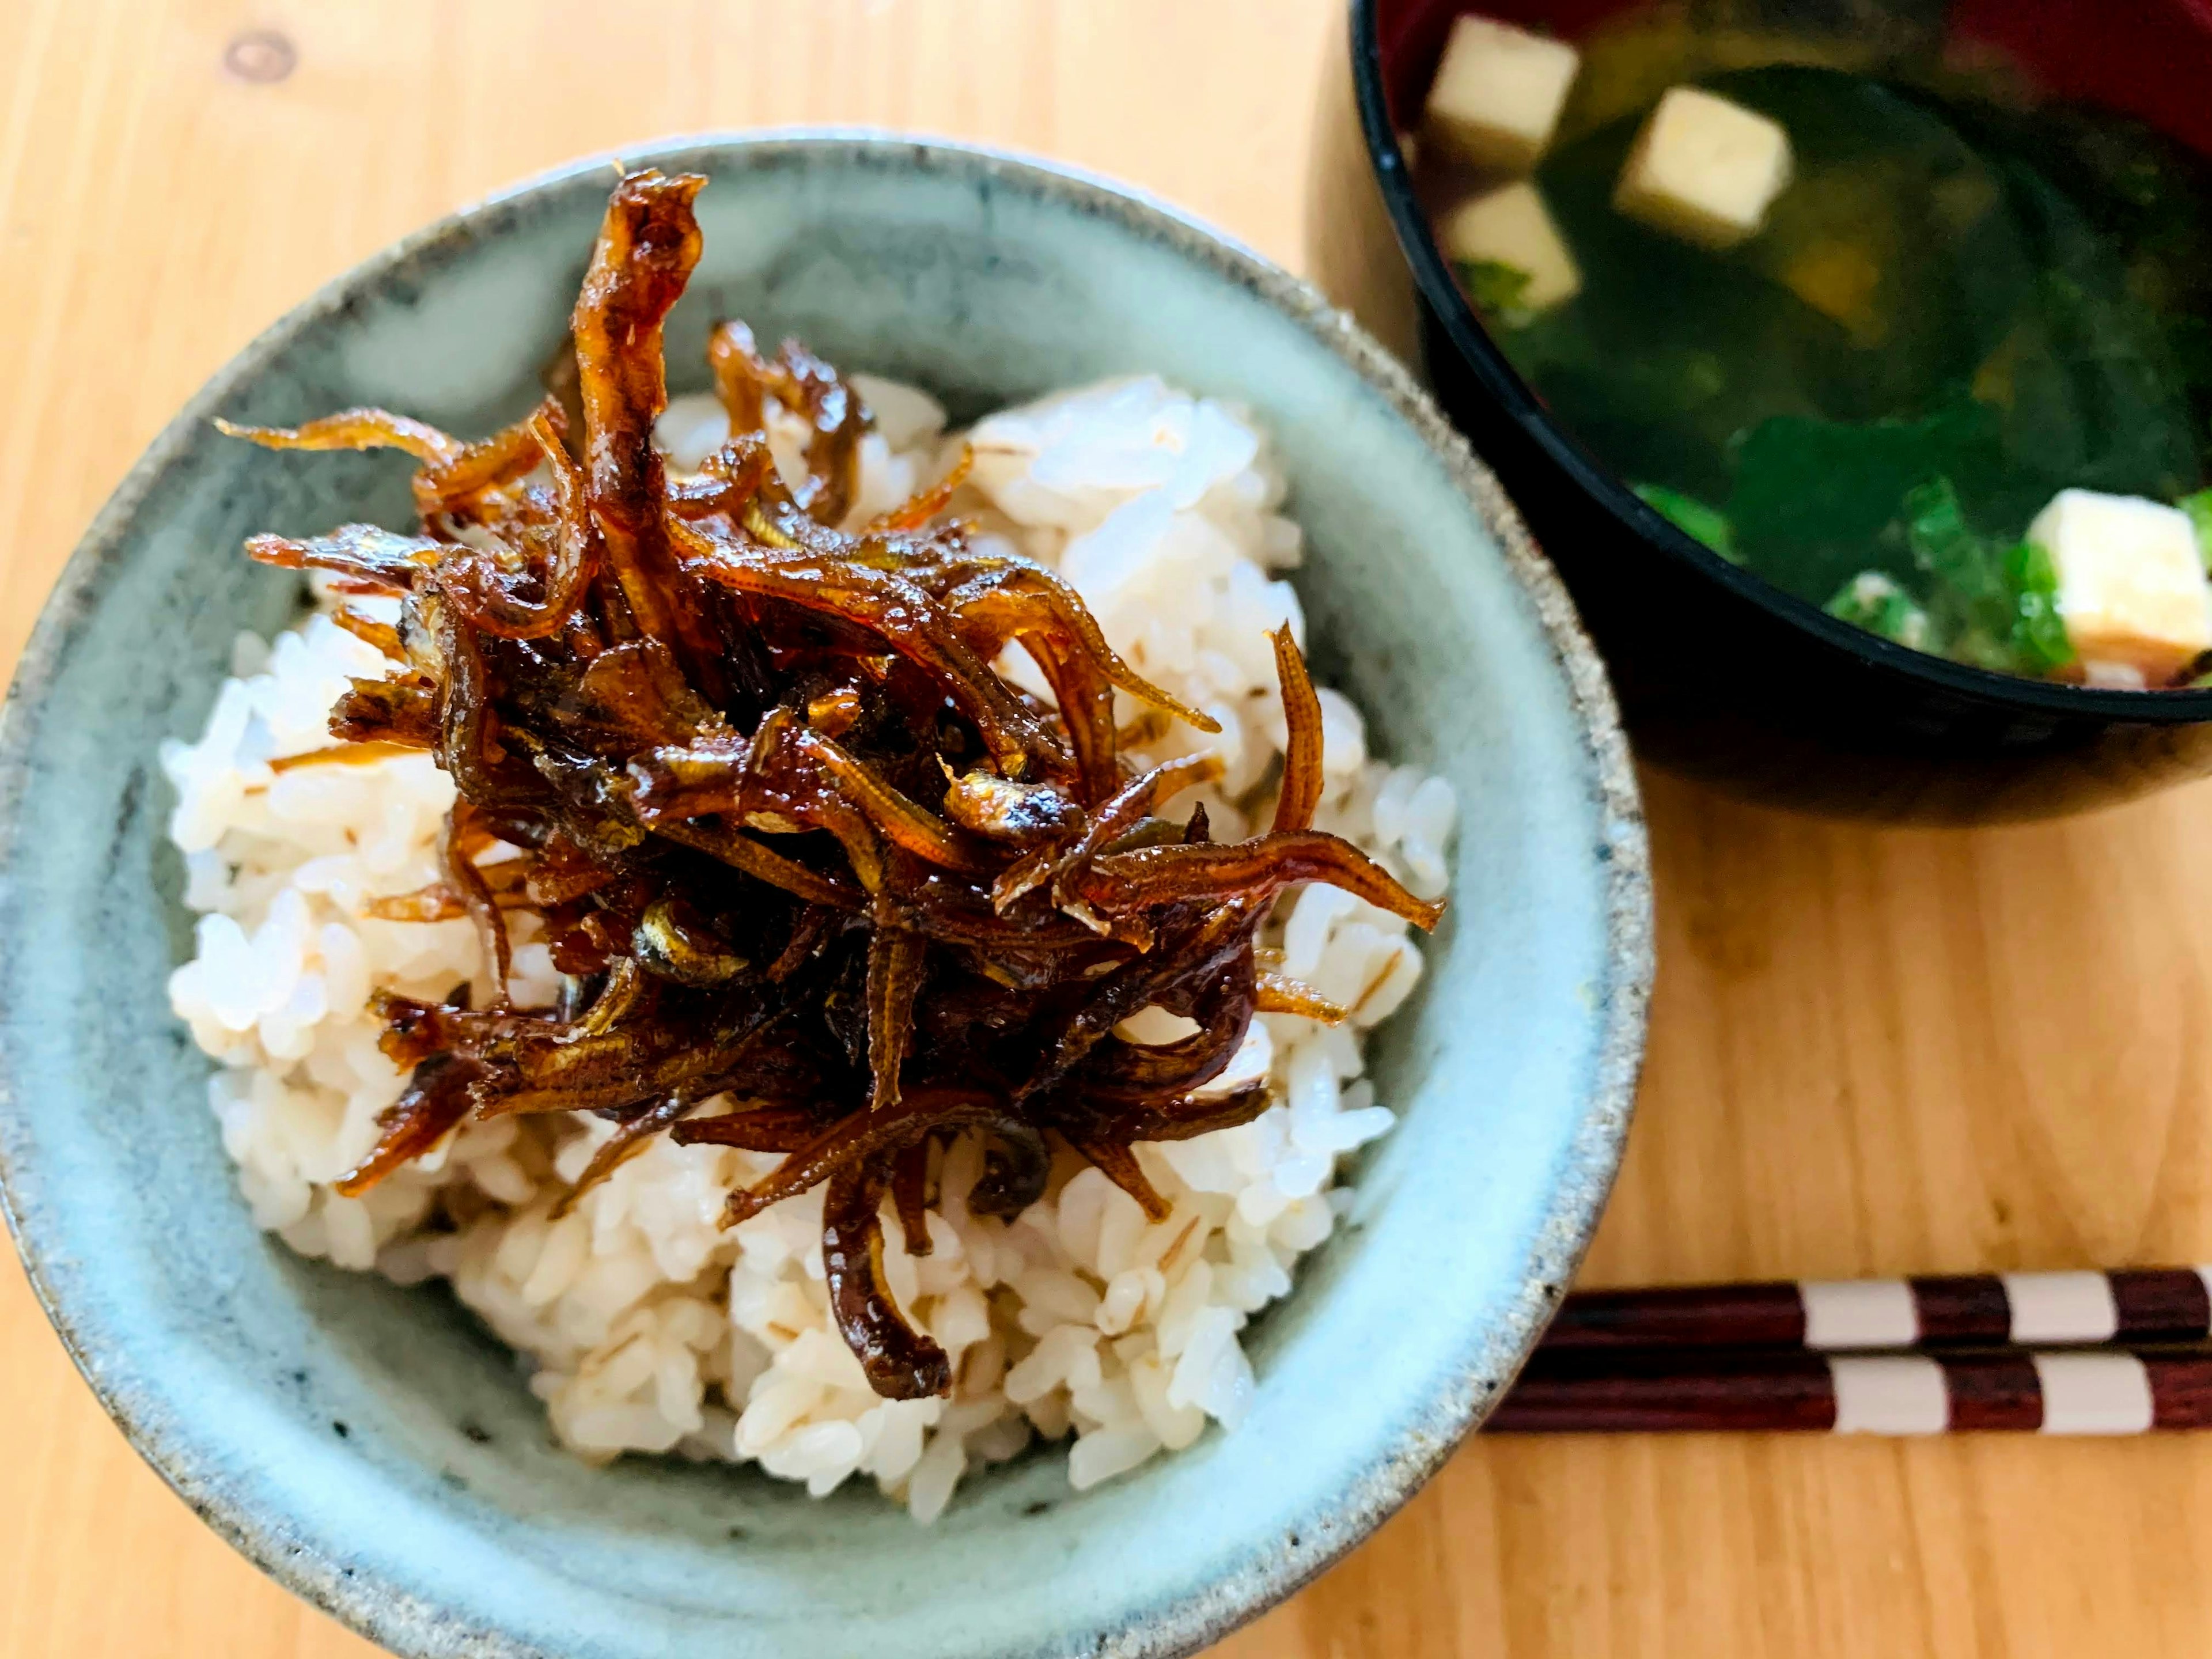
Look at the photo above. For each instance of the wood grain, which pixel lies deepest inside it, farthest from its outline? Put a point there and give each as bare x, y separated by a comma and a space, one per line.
1872, 1052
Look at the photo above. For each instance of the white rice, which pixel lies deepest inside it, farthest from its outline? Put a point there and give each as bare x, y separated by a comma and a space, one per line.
651, 1328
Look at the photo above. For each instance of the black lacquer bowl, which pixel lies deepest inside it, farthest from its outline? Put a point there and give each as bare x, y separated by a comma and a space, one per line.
1723, 677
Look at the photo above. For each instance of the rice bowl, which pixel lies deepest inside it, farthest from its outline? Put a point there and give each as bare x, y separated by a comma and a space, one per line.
370, 1446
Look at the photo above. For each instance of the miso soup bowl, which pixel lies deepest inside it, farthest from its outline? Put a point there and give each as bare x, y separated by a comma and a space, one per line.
373, 1448
1721, 676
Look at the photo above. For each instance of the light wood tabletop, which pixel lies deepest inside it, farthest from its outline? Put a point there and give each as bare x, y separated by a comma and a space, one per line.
1871, 1051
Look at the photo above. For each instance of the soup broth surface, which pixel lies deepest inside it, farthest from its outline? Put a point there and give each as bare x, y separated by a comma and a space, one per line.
1964, 302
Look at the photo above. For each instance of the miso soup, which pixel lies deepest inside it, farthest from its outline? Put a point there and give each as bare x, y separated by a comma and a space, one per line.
1905, 339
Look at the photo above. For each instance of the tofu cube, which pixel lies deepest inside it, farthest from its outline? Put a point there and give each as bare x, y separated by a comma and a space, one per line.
1510, 226
2131, 587
1496, 100
1704, 169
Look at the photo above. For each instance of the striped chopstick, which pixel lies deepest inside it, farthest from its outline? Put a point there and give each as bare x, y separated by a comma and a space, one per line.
2110, 1392
2129, 1306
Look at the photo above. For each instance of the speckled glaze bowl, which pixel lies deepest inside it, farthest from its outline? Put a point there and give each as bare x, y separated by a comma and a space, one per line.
373, 1448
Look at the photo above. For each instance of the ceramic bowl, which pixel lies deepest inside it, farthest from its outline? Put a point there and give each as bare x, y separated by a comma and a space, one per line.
1722, 676
373, 1448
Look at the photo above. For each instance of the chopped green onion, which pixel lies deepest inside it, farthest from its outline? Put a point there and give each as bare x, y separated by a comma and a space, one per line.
1693, 519
1943, 544
1874, 601
1968, 592
1497, 289
1995, 602
2039, 632
2199, 510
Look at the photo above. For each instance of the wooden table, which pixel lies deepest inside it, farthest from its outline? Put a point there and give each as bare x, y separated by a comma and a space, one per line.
1872, 1052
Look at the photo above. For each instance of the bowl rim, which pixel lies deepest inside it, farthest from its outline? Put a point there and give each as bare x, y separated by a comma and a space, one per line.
395, 1616
1502, 383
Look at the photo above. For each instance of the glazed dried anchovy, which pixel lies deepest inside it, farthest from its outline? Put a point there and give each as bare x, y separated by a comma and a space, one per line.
794, 842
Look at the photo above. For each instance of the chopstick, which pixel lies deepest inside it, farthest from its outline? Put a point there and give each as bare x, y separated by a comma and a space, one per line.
2048, 1309
2101, 1392
2076, 1354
